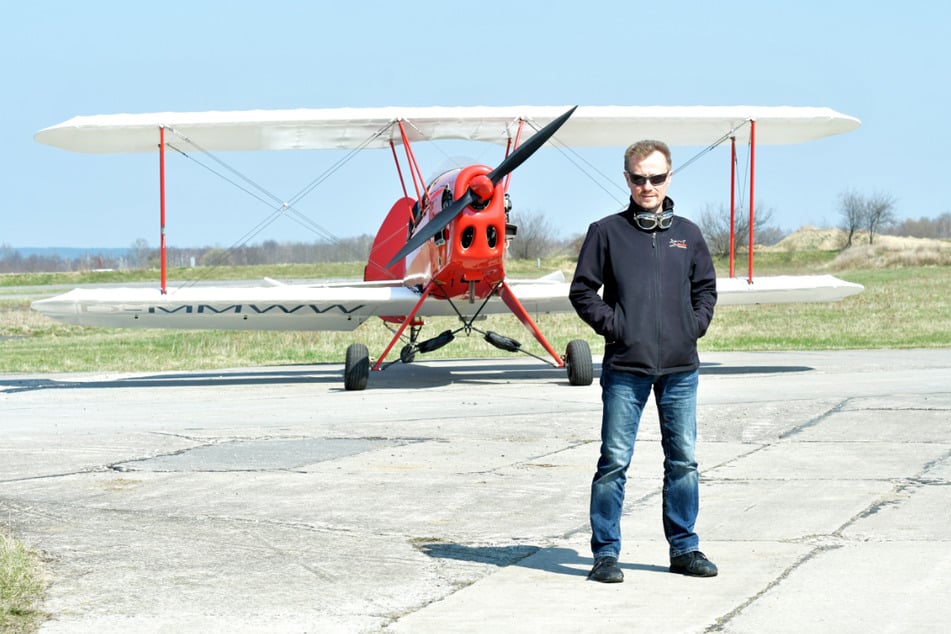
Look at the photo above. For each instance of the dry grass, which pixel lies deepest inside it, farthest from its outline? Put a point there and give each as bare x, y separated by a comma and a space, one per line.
21, 587
918, 299
907, 281
885, 256
884, 252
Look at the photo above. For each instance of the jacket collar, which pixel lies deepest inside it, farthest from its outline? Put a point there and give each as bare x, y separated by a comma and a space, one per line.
633, 209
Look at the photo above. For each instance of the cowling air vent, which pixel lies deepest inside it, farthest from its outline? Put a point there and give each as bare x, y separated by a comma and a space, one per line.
491, 236
468, 236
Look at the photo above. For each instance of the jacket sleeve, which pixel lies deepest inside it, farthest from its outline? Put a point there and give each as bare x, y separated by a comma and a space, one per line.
589, 278
703, 285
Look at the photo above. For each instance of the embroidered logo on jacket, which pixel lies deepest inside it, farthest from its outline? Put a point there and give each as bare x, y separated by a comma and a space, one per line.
679, 244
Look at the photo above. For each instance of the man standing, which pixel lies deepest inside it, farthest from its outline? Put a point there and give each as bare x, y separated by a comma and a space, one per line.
659, 291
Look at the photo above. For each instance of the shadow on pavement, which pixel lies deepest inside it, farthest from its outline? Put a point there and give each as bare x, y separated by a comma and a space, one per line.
400, 376
564, 561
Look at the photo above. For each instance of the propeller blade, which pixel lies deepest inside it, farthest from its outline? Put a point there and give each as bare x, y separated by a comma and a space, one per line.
528, 148
434, 226
513, 160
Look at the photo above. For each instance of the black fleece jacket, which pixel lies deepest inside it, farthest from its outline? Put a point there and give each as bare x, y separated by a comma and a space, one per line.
659, 292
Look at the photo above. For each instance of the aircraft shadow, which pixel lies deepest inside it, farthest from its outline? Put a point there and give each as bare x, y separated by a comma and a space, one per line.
190, 379
563, 561
719, 368
400, 376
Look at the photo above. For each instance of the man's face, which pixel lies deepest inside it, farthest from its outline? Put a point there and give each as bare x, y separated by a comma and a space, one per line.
648, 195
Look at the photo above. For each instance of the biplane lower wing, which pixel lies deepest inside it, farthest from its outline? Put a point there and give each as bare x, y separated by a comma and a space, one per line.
784, 289
344, 308
285, 307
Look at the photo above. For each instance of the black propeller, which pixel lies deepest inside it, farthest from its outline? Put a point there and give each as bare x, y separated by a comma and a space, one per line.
513, 160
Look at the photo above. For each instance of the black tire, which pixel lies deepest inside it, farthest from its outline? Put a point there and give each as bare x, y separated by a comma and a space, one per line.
578, 363
356, 370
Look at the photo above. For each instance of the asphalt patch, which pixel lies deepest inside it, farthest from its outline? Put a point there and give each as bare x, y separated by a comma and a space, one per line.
261, 455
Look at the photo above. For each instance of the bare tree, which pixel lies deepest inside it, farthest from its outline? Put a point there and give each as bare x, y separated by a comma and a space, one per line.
715, 225
852, 209
536, 237
872, 213
140, 254
879, 213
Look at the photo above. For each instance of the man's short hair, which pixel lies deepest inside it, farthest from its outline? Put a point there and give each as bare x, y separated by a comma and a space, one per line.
643, 149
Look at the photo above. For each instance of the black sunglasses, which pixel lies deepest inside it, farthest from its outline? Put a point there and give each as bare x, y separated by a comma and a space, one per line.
640, 180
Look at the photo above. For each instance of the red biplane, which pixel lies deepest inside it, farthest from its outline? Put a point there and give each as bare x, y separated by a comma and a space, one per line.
441, 248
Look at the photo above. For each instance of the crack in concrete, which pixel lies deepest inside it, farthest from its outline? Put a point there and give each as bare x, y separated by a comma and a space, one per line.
832, 541
816, 420
724, 620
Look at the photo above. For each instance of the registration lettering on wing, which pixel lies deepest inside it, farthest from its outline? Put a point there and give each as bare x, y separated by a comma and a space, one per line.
239, 309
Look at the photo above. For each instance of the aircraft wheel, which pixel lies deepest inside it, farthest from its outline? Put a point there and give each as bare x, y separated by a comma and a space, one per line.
578, 362
356, 371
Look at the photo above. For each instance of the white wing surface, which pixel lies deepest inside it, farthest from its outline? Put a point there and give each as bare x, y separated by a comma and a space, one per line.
289, 307
350, 128
298, 307
784, 289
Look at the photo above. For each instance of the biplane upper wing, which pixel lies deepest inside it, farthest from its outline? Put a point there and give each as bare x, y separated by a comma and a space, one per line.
344, 307
351, 128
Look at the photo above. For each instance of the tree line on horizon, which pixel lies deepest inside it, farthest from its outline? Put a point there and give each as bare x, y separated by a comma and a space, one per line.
536, 238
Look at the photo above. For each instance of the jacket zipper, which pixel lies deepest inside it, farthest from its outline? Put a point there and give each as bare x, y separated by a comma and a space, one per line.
657, 302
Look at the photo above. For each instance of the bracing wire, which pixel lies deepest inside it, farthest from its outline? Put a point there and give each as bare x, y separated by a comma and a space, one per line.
281, 208
592, 173
577, 160
253, 189
333, 169
713, 145
246, 190
274, 199
744, 182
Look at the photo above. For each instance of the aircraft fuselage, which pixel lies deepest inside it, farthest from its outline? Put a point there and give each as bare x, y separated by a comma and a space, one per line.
466, 258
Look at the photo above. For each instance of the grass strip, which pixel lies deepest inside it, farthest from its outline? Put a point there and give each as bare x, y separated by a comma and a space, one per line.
21, 587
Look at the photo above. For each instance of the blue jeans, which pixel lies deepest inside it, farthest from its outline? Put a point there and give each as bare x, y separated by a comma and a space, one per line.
624, 395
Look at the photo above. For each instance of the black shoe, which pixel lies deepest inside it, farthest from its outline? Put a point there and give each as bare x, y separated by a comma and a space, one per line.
694, 564
606, 570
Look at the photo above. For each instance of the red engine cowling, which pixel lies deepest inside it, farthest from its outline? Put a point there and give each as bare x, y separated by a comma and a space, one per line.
467, 258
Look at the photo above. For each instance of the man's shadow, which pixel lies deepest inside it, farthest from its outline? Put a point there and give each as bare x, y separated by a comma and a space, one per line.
563, 561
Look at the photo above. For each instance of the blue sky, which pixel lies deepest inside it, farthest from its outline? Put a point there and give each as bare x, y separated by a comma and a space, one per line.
883, 63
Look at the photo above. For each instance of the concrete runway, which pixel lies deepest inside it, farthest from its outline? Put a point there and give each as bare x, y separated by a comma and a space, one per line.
452, 497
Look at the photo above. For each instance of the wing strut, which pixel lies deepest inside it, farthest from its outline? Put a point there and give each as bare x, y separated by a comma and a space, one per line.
406, 322
749, 277
732, 202
519, 311
752, 183
162, 250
